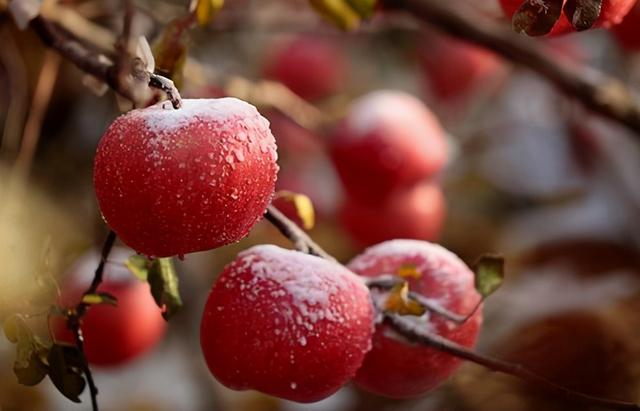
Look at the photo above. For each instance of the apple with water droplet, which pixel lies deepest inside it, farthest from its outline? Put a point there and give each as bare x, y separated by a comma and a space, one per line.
171, 182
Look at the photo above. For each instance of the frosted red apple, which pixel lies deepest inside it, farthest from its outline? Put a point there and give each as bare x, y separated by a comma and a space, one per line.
113, 335
310, 66
612, 13
171, 182
417, 212
287, 324
388, 139
395, 367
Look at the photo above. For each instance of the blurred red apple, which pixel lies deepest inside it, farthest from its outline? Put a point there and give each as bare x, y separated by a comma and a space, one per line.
312, 67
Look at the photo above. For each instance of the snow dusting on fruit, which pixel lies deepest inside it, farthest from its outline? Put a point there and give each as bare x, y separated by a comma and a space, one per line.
311, 318
171, 182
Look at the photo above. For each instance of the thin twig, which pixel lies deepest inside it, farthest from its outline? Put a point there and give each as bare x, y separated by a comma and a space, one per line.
405, 327
300, 239
75, 319
597, 91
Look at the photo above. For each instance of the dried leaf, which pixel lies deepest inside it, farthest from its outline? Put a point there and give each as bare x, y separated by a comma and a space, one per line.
364, 8
337, 12
583, 14
303, 206
408, 271
65, 372
206, 10
398, 301
537, 17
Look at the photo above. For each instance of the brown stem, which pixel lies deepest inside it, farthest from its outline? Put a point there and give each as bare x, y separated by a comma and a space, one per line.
594, 89
406, 328
300, 239
169, 88
75, 319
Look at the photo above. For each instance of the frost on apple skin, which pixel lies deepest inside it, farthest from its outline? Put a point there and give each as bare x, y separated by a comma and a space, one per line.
287, 324
172, 182
398, 368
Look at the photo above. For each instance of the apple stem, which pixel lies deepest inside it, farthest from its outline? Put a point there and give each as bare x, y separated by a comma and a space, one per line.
301, 241
595, 90
406, 328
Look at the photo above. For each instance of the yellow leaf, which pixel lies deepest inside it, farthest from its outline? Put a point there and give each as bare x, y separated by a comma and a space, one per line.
206, 10
303, 206
409, 271
338, 12
399, 302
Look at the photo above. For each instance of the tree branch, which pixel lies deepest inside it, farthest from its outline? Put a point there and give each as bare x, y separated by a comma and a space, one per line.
405, 327
300, 239
101, 67
597, 91
74, 321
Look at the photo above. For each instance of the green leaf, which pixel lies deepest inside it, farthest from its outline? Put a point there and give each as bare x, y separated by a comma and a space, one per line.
34, 371
364, 8
338, 12
139, 266
489, 271
163, 280
100, 298
65, 371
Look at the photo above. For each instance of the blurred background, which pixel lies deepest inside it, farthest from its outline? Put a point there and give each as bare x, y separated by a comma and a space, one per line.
529, 173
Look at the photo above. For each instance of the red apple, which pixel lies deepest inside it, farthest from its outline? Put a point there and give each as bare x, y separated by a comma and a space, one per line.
416, 212
113, 336
287, 324
398, 368
454, 68
171, 182
312, 67
389, 139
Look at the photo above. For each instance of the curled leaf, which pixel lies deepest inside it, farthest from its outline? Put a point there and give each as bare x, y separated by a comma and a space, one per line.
32, 372
338, 12
583, 14
399, 302
206, 10
408, 271
364, 8
537, 17
139, 266
65, 371
164, 286
303, 207
100, 298
489, 270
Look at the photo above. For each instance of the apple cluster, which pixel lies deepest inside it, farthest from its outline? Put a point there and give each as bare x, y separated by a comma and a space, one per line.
299, 327
388, 151
279, 321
